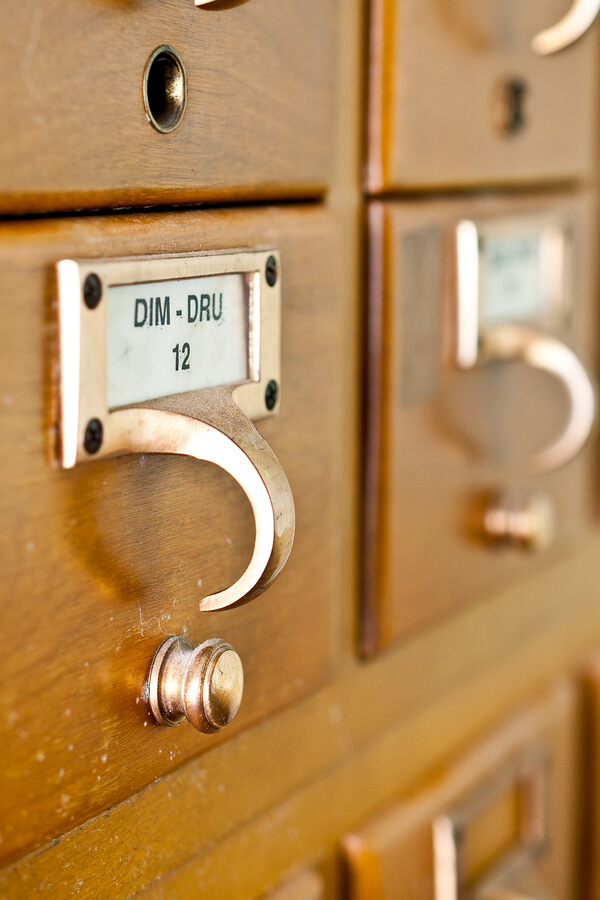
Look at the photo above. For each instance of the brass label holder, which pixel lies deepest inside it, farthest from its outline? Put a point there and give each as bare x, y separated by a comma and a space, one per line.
140, 343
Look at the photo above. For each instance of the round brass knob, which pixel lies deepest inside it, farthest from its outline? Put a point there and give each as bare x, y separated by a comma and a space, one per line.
202, 684
525, 520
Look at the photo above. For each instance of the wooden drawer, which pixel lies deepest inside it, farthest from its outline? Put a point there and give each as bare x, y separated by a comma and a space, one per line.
258, 116
502, 819
440, 83
100, 562
442, 440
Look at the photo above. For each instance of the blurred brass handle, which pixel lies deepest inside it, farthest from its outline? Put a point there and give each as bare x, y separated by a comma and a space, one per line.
517, 342
237, 447
522, 883
220, 4
571, 27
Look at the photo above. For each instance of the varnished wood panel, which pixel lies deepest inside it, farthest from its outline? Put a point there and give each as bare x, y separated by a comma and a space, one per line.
369, 737
435, 73
437, 445
392, 856
102, 561
259, 114
305, 886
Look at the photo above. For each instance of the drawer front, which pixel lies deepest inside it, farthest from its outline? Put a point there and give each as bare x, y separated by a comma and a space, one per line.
103, 561
500, 821
257, 121
444, 441
458, 97
306, 886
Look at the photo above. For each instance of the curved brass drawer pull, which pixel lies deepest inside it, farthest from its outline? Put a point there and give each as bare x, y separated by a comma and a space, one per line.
517, 342
570, 28
238, 448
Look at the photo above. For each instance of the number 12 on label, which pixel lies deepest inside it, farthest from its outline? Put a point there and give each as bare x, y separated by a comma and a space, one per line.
184, 358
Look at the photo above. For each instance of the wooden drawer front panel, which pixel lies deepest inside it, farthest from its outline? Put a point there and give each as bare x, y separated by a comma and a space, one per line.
102, 561
440, 79
258, 117
306, 886
513, 802
440, 439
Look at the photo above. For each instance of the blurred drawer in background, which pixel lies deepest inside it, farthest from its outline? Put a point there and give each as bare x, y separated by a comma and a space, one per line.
258, 120
102, 561
458, 97
501, 821
454, 444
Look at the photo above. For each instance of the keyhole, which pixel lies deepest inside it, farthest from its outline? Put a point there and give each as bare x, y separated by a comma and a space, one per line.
511, 106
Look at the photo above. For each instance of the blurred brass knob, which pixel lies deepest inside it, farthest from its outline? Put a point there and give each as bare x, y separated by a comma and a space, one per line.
202, 684
524, 519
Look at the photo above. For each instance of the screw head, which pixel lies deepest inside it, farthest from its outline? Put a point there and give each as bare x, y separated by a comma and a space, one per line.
94, 433
271, 271
92, 291
271, 392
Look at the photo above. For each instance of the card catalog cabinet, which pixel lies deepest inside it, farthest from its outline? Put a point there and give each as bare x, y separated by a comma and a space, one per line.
458, 96
84, 87
445, 438
498, 822
103, 561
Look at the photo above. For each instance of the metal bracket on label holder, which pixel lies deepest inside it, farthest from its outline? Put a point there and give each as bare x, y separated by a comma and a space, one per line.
571, 27
211, 423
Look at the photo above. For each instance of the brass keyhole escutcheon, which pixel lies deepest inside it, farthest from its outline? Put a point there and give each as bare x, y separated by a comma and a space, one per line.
165, 89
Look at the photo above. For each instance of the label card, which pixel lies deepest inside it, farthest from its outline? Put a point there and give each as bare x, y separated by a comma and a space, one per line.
167, 337
511, 277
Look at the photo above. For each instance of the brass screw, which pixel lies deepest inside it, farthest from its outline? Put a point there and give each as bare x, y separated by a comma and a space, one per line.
94, 433
271, 393
92, 291
271, 271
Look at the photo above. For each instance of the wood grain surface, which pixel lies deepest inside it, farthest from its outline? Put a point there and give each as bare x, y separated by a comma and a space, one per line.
435, 454
437, 69
258, 122
343, 755
102, 561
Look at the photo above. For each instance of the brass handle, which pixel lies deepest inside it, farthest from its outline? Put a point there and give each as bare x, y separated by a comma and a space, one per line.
202, 684
219, 4
516, 342
237, 447
570, 28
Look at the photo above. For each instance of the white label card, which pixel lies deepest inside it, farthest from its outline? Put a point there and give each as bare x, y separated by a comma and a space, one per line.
167, 337
511, 278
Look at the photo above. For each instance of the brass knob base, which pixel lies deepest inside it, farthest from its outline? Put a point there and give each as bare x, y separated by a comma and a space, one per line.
521, 519
203, 684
